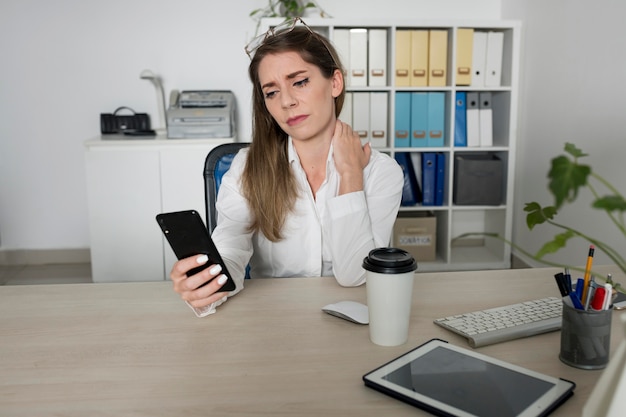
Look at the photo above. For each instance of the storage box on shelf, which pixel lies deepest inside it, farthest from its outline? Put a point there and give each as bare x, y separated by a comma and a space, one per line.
404, 80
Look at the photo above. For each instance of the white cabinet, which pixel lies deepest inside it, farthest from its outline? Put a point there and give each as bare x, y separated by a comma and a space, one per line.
452, 219
128, 183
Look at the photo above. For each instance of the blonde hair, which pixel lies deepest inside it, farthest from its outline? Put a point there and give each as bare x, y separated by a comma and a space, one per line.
267, 181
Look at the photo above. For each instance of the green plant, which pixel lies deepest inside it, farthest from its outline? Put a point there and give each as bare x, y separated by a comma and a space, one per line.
283, 8
567, 176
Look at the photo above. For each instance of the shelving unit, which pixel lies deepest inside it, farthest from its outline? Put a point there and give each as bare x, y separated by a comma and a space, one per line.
452, 219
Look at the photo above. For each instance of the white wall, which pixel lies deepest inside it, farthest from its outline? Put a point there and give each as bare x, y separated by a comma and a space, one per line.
66, 61
572, 90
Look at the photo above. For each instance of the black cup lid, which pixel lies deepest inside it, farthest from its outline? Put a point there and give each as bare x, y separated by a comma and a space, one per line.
389, 261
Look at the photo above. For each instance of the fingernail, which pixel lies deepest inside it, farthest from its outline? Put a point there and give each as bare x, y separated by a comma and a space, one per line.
215, 269
202, 259
222, 279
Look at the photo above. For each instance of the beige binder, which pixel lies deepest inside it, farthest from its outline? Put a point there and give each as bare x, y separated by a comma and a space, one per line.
464, 44
377, 57
437, 58
403, 58
419, 58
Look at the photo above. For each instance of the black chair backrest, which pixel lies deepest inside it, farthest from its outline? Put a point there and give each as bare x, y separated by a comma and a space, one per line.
216, 164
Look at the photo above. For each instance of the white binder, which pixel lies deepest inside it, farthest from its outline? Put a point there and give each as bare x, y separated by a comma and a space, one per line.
378, 119
377, 55
361, 115
472, 120
485, 119
479, 57
341, 40
346, 111
493, 63
357, 75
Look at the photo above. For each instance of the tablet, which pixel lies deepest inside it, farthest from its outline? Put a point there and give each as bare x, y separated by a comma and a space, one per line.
447, 380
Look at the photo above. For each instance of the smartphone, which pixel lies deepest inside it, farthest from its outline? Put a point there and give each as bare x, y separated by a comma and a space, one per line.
187, 235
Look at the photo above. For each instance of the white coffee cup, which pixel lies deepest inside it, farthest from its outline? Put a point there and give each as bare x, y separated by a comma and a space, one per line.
389, 286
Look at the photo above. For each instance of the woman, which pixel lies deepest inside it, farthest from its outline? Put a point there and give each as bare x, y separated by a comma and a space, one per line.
306, 198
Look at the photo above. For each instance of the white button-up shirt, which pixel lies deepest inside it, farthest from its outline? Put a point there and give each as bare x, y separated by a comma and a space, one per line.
326, 235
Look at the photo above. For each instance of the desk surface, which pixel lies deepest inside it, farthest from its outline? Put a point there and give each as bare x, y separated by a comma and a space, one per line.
134, 349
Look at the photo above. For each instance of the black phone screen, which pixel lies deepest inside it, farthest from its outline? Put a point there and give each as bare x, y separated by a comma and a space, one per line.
188, 236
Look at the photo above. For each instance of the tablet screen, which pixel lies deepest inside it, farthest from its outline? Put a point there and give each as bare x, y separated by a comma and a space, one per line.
460, 382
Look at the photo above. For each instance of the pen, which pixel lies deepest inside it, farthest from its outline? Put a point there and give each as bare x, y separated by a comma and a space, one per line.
568, 280
560, 282
579, 288
576, 301
599, 299
588, 271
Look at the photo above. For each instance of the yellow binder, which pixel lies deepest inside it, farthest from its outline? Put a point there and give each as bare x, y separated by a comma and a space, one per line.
438, 58
403, 58
419, 58
464, 44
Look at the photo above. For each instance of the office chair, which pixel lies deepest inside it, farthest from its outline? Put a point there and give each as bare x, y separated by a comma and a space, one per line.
216, 164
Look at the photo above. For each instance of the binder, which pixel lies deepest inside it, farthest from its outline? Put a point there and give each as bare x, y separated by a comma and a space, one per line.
416, 158
436, 119
429, 172
460, 123
358, 58
419, 58
472, 120
341, 40
419, 120
377, 56
411, 193
485, 119
378, 119
361, 115
479, 58
437, 58
346, 111
403, 58
403, 120
440, 178
464, 43
493, 62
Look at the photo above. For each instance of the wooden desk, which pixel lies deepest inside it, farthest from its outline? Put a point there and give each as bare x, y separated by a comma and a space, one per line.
134, 349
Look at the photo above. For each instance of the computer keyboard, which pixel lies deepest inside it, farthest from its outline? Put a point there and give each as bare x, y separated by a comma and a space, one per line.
505, 323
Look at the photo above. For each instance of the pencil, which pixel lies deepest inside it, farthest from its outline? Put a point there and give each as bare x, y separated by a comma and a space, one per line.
588, 271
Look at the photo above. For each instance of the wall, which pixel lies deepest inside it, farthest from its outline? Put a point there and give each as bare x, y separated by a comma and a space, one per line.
572, 89
67, 61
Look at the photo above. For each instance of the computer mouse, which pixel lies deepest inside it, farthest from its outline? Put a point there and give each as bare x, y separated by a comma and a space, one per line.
349, 310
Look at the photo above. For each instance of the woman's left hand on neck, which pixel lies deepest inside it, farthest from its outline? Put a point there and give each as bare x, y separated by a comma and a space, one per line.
350, 157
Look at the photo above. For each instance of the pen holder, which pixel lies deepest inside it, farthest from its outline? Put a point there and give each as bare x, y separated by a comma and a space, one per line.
585, 337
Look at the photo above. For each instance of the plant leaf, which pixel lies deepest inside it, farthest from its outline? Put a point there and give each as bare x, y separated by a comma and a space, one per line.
571, 149
610, 203
556, 244
566, 177
538, 215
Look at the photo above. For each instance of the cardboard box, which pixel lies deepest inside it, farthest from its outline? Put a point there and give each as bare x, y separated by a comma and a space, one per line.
417, 235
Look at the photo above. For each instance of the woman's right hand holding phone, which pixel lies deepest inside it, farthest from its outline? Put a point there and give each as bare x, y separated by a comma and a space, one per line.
191, 289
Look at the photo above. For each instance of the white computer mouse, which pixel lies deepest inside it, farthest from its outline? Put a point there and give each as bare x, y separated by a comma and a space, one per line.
349, 310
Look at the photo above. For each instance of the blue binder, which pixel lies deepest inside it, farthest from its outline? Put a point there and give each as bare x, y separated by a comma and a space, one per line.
403, 120
429, 173
411, 193
440, 178
460, 119
419, 120
436, 119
